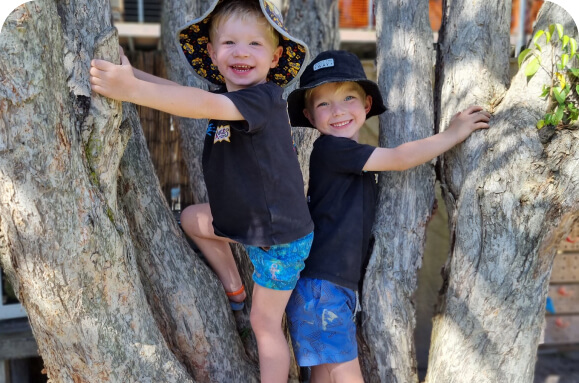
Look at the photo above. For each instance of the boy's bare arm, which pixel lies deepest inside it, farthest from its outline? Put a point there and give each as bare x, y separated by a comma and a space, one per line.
417, 152
120, 82
152, 78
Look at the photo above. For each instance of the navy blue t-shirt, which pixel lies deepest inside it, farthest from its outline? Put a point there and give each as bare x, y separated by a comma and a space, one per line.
251, 169
342, 201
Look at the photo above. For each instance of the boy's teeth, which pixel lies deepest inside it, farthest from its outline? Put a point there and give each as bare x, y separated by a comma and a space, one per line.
338, 124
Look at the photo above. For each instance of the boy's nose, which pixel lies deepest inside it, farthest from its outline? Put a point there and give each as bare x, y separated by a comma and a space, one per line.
337, 110
241, 51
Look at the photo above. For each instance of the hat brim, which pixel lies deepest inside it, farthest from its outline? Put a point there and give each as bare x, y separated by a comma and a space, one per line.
297, 104
192, 39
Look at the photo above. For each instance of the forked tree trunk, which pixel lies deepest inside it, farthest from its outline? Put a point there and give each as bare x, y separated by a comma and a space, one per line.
405, 59
65, 243
510, 198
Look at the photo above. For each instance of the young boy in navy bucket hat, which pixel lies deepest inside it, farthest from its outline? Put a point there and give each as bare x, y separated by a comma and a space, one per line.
251, 170
335, 97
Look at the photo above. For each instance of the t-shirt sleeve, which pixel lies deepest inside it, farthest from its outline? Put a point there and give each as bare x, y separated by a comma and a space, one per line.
257, 104
342, 155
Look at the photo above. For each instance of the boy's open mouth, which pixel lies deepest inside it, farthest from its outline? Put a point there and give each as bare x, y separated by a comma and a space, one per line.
241, 68
340, 124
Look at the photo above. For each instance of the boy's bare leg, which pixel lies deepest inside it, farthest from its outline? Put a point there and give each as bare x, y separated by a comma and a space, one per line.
266, 317
320, 374
347, 372
196, 221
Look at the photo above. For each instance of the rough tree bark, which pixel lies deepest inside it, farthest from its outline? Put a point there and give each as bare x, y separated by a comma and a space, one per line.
175, 14
65, 244
405, 59
316, 23
69, 247
511, 198
187, 300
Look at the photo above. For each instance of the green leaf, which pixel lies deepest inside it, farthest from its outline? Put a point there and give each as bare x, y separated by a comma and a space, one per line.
559, 28
539, 33
565, 92
575, 71
564, 60
558, 96
540, 124
532, 67
565, 41
548, 119
574, 114
577, 89
548, 36
573, 46
522, 56
559, 114
545, 91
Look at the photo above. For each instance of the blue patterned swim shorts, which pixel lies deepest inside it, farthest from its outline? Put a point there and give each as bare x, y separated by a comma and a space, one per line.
322, 322
279, 266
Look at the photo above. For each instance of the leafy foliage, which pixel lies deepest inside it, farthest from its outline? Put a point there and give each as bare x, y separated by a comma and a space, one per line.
564, 88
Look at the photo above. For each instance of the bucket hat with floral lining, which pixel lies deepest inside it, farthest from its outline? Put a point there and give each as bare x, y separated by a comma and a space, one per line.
194, 36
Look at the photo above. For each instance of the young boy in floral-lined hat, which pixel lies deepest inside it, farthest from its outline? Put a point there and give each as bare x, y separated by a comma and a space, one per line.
251, 170
336, 98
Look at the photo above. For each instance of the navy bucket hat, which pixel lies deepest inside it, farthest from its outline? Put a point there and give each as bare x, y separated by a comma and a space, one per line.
193, 37
332, 66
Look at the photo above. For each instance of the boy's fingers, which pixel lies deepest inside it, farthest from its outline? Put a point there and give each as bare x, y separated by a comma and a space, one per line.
472, 109
100, 64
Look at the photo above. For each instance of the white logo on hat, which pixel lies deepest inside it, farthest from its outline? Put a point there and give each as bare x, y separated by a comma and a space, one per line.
324, 64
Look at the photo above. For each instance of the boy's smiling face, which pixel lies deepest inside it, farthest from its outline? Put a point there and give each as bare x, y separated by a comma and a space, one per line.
244, 52
338, 109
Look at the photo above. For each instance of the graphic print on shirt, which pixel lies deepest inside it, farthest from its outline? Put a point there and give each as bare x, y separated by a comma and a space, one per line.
210, 129
222, 133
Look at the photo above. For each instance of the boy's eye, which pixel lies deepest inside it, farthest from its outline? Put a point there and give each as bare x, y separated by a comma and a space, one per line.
321, 104
348, 98
228, 42
254, 43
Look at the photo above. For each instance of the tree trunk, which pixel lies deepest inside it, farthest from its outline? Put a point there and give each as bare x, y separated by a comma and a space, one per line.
405, 59
188, 302
176, 14
510, 198
65, 244
316, 23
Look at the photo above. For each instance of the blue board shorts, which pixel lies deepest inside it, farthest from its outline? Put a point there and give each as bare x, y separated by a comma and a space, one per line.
278, 267
322, 322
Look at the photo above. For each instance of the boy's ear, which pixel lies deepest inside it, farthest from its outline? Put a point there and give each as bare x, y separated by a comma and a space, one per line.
368, 103
210, 51
276, 55
309, 117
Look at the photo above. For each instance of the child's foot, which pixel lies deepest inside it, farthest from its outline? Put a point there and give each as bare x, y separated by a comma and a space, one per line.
236, 298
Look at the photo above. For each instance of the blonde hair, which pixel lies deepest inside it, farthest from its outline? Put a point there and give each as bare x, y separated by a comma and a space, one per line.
244, 10
341, 84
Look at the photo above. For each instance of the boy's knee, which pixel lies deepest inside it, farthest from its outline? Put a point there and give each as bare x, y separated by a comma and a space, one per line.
257, 320
197, 220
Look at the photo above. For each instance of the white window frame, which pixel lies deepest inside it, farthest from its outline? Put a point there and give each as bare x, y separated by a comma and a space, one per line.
11, 310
